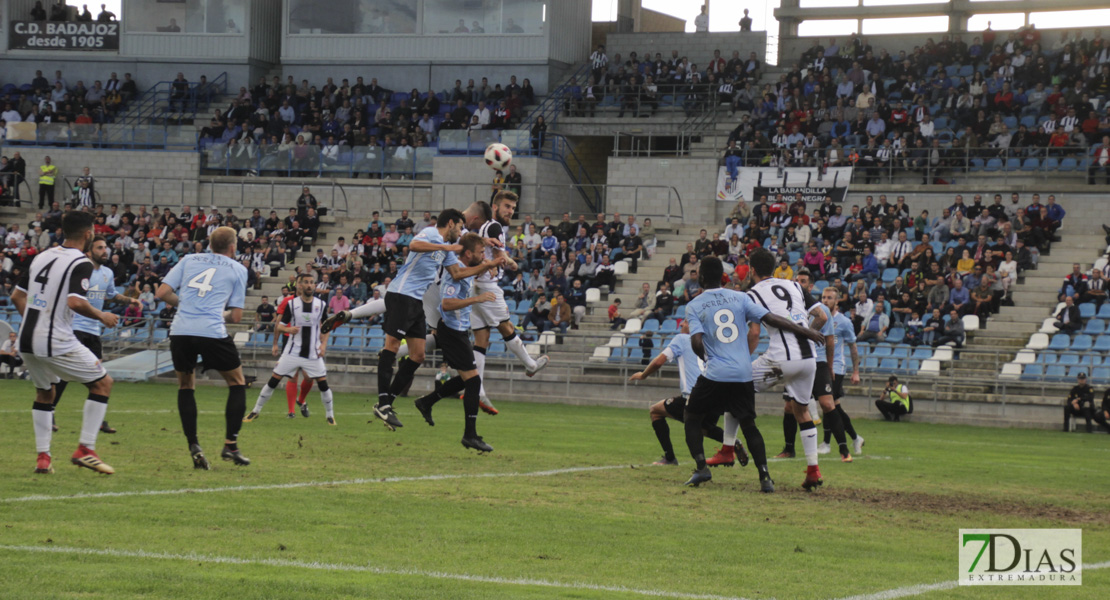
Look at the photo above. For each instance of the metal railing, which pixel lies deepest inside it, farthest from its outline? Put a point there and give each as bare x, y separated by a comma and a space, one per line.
162, 99
103, 136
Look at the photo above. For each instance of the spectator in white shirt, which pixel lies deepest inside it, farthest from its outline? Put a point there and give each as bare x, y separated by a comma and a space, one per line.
483, 114
342, 247
10, 114
928, 128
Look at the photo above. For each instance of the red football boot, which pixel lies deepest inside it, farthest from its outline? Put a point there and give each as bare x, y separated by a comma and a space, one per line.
813, 478
725, 457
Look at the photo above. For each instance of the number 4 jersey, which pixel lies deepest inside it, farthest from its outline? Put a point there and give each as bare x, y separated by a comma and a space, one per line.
206, 284
722, 317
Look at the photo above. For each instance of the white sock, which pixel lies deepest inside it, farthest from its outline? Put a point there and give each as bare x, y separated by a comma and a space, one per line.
263, 397
90, 424
44, 432
516, 345
480, 362
329, 410
732, 425
809, 445
370, 309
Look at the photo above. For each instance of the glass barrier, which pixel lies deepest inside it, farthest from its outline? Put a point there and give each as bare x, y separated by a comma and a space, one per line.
187, 16
461, 18
319, 17
425, 157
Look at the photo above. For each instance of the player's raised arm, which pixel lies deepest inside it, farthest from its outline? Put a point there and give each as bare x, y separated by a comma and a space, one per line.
655, 364
459, 273
778, 322
417, 245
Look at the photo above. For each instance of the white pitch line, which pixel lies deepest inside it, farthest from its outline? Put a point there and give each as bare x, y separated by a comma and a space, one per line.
283, 563
340, 482
924, 588
307, 484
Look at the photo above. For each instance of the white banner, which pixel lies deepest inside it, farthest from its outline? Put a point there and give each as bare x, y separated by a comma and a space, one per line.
753, 182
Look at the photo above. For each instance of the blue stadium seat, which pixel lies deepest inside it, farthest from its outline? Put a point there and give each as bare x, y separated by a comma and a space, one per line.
1051, 163
994, 164
1076, 370
1082, 343
511, 304
889, 274
1102, 343
652, 325
967, 71
922, 354
1033, 372
1087, 311
1060, 341
889, 365
1046, 358
1067, 164
669, 326
870, 363
896, 335
881, 351
1030, 164
1013, 164
1091, 360
1068, 360
1104, 312
911, 366
901, 352
1056, 373
1101, 374
1095, 327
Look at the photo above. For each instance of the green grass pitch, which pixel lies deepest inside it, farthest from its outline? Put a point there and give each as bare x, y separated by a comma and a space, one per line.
503, 525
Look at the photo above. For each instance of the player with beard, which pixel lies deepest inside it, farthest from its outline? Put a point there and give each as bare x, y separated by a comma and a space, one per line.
453, 338
845, 334
102, 288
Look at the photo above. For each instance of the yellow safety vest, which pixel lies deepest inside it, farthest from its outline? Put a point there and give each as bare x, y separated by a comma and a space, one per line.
46, 174
899, 396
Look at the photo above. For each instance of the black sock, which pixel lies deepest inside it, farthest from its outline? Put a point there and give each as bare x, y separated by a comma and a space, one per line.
694, 437
847, 422
663, 432
714, 433
187, 409
236, 408
470, 405
789, 431
832, 422
385, 374
448, 388
756, 449
59, 389
406, 372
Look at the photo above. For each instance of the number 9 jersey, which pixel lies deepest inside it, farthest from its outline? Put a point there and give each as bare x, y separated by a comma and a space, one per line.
786, 299
206, 284
722, 317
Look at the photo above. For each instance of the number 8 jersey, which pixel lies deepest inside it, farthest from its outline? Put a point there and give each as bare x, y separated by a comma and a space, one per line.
206, 284
722, 317
786, 299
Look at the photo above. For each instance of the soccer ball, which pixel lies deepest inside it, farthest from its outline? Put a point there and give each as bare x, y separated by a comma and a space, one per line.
498, 157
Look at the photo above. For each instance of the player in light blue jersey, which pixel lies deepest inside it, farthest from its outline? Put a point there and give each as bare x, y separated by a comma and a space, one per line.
452, 335
689, 369
845, 334
102, 288
208, 290
432, 248
721, 326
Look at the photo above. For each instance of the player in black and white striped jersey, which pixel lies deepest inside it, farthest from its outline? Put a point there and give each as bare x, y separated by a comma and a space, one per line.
304, 350
52, 290
489, 315
789, 358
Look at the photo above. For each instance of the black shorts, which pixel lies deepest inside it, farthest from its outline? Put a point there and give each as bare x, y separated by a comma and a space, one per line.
675, 407
218, 355
457, 351
404, 316
821, 384
90, 341
718, 397
838, 386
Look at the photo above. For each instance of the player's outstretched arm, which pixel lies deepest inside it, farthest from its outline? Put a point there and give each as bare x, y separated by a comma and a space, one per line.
459, 273
452, 304
787, 325
423, 246
655, 364
81, 306
166, 294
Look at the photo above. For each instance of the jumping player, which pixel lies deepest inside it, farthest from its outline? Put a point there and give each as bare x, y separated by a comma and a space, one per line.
53, 290
102, 288
845, 336
689, 369
296, 392
208, 283
431, 249
716, 317
305, 349
488, 315
453, 339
